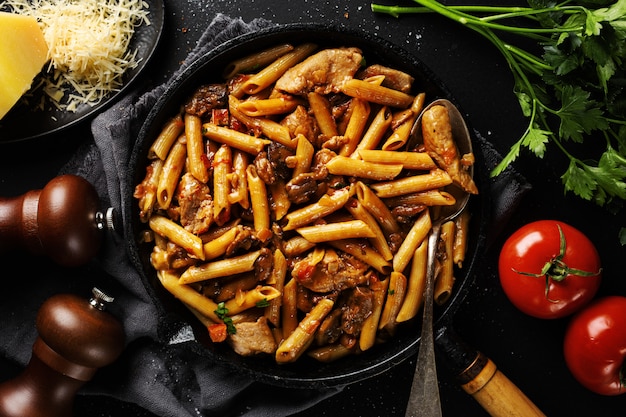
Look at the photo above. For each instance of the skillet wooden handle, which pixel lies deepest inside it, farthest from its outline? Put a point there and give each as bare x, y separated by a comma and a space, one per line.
495, 392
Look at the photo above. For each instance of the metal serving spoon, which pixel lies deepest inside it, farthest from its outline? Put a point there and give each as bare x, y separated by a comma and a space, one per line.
424, 398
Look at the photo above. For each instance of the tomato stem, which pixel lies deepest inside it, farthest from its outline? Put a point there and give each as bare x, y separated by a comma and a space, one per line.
557, 270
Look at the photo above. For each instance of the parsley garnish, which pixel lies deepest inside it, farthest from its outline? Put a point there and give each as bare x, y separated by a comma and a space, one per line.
572, 93
263, 303
221, 312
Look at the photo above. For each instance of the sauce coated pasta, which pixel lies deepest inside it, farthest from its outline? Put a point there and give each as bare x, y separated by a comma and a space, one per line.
289, 205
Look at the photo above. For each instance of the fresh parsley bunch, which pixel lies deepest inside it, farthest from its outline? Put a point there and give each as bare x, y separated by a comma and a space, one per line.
571, 90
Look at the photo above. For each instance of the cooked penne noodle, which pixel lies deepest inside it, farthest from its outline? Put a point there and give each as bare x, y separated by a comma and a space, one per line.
297, 245
260, 206
221, 268
413, 239
162, 144
268, 75
408, 160
333, 231
434, 179
426, 198
416, 284
222, 165
401, 133
271, 129
376, 93
323, 114
296, 343
393, 302
238, 140
461, 237
195, 148
304, 156
356, 126
277, 280
445, 278
343, 165
177, 234
289, 313
188, 295
245, 300
170, 174
375, 132
377, 208
325, 205
217, 247
329, 353
367, 338
378, 240
363, 252
267, 107
255, 61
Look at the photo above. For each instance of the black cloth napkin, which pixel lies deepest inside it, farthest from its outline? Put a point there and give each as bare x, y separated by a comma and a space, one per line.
169, 379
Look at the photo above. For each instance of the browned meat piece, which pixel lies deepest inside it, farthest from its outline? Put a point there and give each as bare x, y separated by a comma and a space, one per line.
330, 329
405, 212
440, 145
270, 165
324, 72
301, 188
300, 122
264, 264
253, 338
196, 204
335, 272
207, 98
244, 240
358, 307
394, 78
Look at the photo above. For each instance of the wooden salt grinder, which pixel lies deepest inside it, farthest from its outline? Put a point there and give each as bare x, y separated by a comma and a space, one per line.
76, 337
60, 221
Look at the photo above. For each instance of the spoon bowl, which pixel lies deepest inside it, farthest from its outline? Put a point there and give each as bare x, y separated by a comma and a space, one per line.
424, 398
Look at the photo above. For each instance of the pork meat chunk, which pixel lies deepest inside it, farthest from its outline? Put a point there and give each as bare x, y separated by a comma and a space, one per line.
324, 72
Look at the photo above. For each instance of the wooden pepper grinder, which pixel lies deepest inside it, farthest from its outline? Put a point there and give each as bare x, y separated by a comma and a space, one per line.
60, 221
76, 337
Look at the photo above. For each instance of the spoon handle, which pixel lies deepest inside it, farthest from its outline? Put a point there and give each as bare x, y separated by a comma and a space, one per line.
424, 398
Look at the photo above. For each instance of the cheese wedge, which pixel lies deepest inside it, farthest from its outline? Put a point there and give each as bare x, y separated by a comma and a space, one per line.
23, 53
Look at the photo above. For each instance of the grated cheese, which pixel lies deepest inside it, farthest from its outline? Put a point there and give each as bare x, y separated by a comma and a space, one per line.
88, 43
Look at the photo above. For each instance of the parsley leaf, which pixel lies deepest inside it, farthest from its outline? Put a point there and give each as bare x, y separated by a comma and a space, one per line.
221, 312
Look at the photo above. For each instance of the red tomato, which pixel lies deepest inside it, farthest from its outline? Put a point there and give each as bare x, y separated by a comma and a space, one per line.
595, 346
549, 269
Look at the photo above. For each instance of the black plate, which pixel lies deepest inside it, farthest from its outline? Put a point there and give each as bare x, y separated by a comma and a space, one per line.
25, 123
305, 372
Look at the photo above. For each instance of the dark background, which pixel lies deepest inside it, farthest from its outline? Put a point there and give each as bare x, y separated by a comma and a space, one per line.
527, 350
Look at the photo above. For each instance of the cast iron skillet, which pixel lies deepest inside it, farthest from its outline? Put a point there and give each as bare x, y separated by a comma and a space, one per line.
305, 372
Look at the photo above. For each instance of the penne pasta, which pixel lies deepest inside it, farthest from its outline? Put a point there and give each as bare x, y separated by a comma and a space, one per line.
170, 132
296, 343
445, 278
268, 127
222, 268
255, 61
378, 94
377, 208
356, 126
408, 160
222, 165
363, 252
414, 238
434, 179
277, 280
461, 237
238, 140
416, 284
177, 234
188, 295
393, 302
195, 148
368, 335
323, 114
375, 132
378, 241
333, 231
324, 206
245, 300
342, 165
267, 107
260, 207
170, 173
